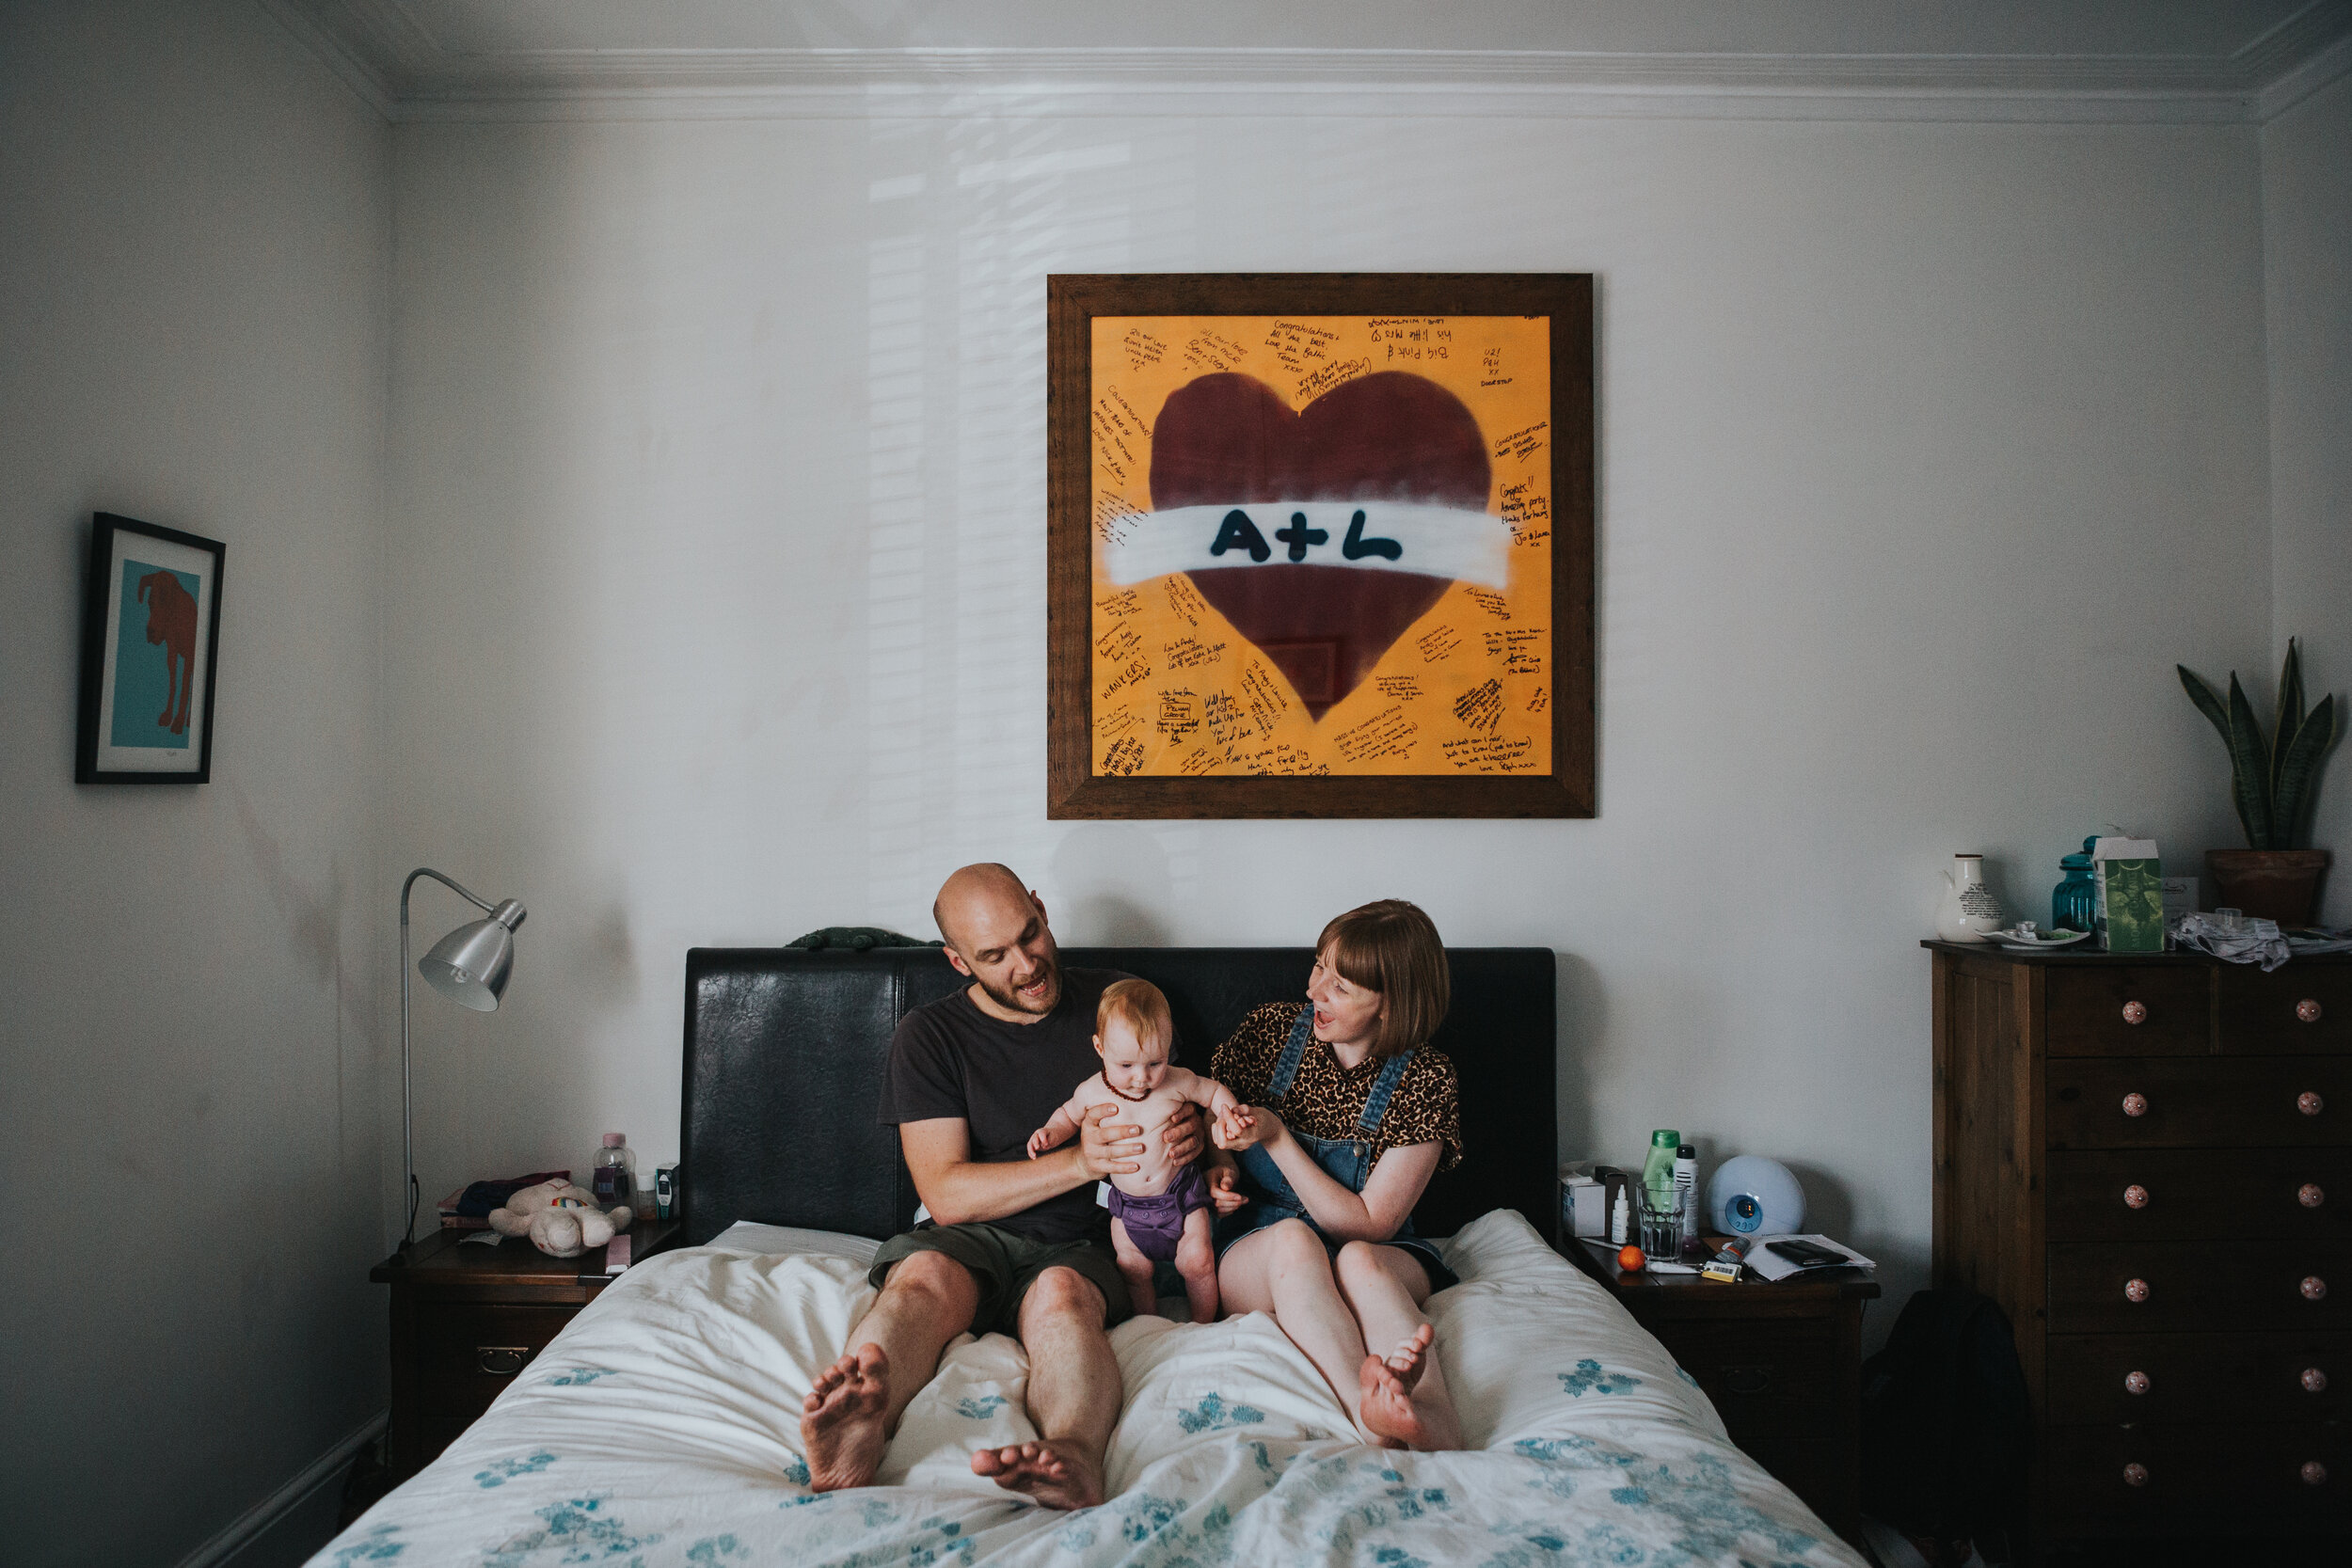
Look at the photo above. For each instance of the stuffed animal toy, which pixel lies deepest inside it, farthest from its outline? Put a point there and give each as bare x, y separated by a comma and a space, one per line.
562, 1220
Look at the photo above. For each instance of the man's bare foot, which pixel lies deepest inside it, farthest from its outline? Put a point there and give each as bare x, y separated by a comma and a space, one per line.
841, 1421
1386, 1388
1056, 1472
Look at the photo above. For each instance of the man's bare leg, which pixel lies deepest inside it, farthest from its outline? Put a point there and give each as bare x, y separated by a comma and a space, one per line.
854, 1406
1074, 1396
1135, 1268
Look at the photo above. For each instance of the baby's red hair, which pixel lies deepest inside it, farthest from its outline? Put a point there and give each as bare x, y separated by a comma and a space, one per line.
1142, 1005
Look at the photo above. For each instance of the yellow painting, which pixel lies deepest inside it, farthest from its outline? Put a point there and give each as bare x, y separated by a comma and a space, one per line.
1322, 545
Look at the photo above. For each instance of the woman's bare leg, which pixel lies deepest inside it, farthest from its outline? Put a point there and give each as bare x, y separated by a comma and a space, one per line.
1284, 1270
1403, 1399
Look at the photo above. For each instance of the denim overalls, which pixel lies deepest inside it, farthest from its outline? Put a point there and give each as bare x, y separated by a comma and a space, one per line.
1348, 1160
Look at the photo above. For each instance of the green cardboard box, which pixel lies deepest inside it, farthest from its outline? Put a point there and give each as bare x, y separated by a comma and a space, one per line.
2130, 914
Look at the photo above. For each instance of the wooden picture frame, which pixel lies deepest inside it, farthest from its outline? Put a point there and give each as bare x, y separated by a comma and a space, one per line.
1261, 604
150, 637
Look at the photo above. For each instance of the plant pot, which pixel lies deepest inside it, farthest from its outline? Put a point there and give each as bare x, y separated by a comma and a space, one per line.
2272, 884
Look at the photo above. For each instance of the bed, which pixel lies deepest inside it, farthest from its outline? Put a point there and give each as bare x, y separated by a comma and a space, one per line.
661, 1427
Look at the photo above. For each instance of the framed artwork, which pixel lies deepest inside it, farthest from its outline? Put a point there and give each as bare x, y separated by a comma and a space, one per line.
1320, 544
151, 634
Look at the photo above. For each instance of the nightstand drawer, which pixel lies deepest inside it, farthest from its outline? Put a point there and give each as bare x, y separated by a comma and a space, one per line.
467, 1355
2183, 1286
1765, 1378
2191, 1102
2207, 1479
2129, 1011
2193, 1195
2302, 1007
2199, 1377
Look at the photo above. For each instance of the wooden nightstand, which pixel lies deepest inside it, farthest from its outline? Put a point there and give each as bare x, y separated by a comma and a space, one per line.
1782, 1363
466, 1319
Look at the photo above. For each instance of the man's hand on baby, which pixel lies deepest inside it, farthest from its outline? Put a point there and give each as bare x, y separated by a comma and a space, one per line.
1107, 1150
1223, 1194
1183, 1135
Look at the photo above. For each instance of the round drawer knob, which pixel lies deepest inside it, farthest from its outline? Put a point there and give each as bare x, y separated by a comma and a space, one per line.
2135, 1012
2134, 1196
2309, 1195
2135, 1475
2314, 1473
2135, 1383
2314, 1381
2137, 1289
2137, 1105
2308, 1010
2309, 1103
2314, 1288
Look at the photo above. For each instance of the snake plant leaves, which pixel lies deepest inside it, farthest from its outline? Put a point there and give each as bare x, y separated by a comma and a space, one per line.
2288, 721
2298, 766
2208, 703
2250, 768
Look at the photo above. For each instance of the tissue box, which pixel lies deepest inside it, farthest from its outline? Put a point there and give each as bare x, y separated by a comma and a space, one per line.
1582, 1212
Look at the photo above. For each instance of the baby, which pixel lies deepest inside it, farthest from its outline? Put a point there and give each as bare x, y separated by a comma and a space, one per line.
1156, 1211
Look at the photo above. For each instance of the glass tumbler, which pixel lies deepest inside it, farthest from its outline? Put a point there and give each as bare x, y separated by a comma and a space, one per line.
1662, 1221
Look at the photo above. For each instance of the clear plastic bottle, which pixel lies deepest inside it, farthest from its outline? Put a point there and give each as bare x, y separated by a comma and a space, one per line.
614, 1177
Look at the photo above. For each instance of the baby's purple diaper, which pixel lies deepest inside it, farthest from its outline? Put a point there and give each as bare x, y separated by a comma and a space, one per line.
1157, 1224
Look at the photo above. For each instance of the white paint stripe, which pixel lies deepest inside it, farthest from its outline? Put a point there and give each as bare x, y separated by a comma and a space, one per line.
1395, 537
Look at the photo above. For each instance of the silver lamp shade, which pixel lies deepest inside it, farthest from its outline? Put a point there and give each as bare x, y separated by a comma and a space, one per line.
470, 966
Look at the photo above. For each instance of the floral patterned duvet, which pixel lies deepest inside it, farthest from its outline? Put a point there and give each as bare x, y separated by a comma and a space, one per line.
662, 1427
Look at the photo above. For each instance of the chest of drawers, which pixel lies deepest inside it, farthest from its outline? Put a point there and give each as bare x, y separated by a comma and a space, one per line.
2146, 1161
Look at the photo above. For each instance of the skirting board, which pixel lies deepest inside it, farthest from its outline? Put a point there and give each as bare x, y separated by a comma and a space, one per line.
254, 1520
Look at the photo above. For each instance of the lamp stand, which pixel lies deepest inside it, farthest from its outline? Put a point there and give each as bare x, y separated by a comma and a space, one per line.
407, 1103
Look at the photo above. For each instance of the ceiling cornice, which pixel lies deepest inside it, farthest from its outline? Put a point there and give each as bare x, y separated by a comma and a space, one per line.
391, 61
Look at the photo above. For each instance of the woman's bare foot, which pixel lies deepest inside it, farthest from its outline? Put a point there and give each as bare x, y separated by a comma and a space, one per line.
842, 1419
1056, 1472
1388, 1410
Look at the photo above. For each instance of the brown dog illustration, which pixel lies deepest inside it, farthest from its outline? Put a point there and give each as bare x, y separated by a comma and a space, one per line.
171, 621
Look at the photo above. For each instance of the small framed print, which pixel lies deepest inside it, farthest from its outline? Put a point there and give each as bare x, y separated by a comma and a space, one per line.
151, 634
1320, 544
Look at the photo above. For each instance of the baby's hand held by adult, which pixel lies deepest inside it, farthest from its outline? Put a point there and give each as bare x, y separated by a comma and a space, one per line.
1238, 1129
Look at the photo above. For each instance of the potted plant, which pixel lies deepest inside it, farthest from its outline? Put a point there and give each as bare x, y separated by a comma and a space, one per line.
2271, 783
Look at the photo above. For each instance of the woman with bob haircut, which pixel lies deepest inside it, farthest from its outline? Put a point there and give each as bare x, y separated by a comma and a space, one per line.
1355, 1113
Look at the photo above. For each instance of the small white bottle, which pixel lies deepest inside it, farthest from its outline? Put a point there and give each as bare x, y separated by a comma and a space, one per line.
1621, 1220
1687, 1188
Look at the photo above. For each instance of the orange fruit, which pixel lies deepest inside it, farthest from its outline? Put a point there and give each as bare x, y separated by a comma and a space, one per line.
1631, 1260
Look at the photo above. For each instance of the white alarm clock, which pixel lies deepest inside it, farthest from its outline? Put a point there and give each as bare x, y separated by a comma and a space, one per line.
1751, 1196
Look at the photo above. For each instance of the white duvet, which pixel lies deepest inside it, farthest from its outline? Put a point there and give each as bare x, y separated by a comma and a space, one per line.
662, 1427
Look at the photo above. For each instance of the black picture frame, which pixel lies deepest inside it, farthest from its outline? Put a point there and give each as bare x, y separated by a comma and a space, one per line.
187, 633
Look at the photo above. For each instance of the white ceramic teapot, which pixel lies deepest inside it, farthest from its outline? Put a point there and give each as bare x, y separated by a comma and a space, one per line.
1968, 910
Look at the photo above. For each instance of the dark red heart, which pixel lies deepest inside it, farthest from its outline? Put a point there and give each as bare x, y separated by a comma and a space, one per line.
1229, 439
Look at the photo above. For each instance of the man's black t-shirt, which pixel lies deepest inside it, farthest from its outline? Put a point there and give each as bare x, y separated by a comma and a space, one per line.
1004, 1080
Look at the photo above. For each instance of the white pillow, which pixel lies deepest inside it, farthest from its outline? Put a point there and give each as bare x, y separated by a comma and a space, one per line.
772, 1239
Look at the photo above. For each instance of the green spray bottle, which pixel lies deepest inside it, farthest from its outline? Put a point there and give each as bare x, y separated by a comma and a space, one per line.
1657, 1171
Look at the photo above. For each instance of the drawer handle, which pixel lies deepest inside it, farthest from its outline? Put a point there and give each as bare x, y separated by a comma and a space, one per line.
2135, 1475
2135, 1290
2309, 1195
500, 1361
2309, 1103
2314, 1288
2134, 1105
2135, 1012
1747, 1380
2134, 1196
2135, 1383
2314, 1473
2308, 1010
2314, 1381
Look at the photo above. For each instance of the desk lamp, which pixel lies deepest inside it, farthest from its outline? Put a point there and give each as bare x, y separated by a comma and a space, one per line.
470, 966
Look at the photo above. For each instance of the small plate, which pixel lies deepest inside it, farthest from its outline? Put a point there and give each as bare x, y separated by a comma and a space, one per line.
2021, 941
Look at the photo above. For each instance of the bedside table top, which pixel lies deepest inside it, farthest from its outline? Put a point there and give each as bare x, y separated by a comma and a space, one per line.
439, 1260
1601, 1259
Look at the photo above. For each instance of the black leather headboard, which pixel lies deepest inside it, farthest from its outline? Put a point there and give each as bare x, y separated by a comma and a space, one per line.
785, 1052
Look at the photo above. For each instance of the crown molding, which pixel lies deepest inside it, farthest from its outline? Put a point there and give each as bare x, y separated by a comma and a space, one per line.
378, 46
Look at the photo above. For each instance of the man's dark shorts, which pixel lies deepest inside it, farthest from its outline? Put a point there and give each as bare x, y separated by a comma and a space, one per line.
1003, 1265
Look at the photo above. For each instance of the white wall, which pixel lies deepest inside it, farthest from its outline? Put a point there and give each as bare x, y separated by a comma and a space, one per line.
2307, 253
192, 300
716, 578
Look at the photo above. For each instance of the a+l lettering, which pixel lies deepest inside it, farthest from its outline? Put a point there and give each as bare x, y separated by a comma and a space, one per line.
1298, 535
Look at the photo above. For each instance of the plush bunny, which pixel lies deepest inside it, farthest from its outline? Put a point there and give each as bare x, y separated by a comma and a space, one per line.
562, 1220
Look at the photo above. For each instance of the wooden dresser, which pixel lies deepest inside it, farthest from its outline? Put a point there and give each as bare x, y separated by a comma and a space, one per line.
2146, 1161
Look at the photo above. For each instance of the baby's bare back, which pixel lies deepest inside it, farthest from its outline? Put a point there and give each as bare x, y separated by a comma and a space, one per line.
1151, 1114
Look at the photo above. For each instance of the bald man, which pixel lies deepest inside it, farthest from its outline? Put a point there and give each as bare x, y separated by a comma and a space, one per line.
1014, 1245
